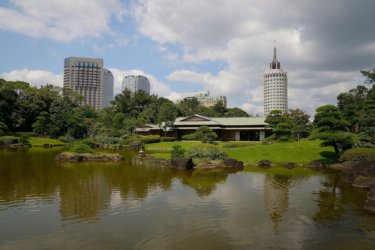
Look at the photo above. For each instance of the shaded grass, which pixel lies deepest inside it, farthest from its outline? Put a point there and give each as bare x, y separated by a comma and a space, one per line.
300, 152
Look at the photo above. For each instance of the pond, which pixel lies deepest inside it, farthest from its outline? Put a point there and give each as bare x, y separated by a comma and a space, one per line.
132, 205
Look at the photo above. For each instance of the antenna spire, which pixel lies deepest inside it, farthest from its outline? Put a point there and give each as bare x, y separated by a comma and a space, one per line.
274, 50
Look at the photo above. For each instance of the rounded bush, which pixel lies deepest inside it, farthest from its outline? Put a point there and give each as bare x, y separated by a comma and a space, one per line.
358, 154
81, 149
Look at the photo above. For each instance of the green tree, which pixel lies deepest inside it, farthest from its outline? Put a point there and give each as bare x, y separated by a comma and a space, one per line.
300, 123
167, 115
236, 112
331, 128
190, 106
205, 134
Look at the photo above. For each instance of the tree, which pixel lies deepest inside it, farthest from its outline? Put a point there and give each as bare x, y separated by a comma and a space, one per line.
190, 106
370, 76
43, 125
300, 123
167, 115
275, 117
236, 112
331, 128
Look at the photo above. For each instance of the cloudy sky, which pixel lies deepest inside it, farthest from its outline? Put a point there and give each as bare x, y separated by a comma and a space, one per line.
223, 46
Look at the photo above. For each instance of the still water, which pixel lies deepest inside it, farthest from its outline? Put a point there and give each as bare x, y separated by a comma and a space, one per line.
130, 205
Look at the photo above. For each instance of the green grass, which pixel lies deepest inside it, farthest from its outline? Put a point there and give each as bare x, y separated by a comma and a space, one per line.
300, 152
37, 141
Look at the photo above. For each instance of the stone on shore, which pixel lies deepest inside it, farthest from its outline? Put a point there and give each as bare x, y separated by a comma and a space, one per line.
182, 163
264, 163
229, 162
315, 165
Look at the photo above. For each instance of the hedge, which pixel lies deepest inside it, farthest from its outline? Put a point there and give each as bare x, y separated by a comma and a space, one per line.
358, 154
8, 140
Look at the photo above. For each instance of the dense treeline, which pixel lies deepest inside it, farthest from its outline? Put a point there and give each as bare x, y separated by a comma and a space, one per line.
51, 111
350, 123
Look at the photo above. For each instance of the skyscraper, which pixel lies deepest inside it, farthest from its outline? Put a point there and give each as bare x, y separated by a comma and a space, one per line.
108, 88
87, 77
275, 87
136, 83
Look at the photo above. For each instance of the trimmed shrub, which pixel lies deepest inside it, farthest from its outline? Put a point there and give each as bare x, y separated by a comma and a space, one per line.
90, 142
8, 140
144, 139
190, 137
24, 139
358, 154
167, 139
177, 152
207, 152
82, 148
237, 144
27, 134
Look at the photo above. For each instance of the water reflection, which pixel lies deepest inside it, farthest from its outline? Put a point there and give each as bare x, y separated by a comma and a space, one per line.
130, 205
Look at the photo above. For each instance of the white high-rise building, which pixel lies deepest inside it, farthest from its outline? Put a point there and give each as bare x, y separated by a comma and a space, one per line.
275, 87
108, 88
136, 83
85, 77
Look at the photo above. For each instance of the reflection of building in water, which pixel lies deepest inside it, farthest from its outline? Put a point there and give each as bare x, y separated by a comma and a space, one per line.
84, 197
276, 190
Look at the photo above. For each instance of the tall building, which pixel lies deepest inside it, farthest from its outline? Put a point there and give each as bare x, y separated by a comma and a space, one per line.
85, 76
136, 83
275, 87
108, 88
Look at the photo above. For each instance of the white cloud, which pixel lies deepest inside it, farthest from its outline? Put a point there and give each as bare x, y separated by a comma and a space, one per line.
60, 20
241, 33
34, 77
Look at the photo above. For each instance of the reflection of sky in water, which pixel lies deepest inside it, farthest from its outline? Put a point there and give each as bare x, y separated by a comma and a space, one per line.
126, 206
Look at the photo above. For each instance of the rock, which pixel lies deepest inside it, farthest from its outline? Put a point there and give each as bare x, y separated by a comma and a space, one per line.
357, 173
290, 165
182, 163
370, 202
210, 165
46, 145
233, 163
360, 174
264, 163
315, 165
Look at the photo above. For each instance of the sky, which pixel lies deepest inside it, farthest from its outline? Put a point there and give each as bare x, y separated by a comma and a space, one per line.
223, 46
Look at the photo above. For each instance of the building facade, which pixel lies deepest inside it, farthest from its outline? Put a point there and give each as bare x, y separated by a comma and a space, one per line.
136, 83
108, 88
206, 100
85, 77
275, 87
226, 128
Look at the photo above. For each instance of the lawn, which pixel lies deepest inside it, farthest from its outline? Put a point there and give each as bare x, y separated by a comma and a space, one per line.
38, 141
300, 152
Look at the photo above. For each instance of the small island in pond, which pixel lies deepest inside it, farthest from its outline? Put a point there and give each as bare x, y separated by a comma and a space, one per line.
70, 156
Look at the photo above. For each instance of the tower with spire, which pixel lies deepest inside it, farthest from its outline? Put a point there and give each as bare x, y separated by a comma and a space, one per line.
275, 87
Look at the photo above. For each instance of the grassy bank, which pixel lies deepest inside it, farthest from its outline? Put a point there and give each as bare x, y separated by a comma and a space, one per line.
38, 141
300, 152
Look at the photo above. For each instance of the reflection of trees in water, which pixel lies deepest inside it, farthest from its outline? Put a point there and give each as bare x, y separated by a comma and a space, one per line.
204, 181
23, 175
137, 181
84, 196
276, 196
333, 196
